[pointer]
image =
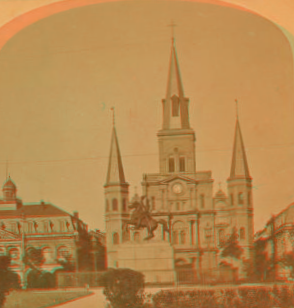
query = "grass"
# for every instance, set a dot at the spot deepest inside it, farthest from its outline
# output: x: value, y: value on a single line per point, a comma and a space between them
x: 41, y: 299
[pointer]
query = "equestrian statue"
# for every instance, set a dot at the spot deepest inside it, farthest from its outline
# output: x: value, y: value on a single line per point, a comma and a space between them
x: 141, y: 218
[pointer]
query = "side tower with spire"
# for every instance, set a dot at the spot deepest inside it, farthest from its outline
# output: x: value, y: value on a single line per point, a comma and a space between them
x: 240, y: 193
x: 116, y: 201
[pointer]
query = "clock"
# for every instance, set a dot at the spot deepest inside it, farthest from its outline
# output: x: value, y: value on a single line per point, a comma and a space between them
x: 177, y: 188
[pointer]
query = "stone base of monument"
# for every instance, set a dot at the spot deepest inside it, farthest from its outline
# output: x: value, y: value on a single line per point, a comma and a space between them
x: 155, y: 259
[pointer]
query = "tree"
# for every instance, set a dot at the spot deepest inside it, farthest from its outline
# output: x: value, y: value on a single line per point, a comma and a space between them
x: 34, y: 258
x: 37, y: 277
x: 8, y: 279
x: 231, y: 247
x: 288, y: 261
x: 263, y: 264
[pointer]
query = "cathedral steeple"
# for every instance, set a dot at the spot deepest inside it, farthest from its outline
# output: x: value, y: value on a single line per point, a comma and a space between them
x: 175, y: 105
x: 115, y: 173
x: 239, y: 167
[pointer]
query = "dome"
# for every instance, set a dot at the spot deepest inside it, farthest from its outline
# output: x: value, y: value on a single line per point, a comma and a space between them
x: 136, y: 198
x: 9, y: 184
x: 220, y: 195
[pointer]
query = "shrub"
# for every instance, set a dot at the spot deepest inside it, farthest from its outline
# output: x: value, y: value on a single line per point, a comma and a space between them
x: 37, y: 279
x: 123, y: 288
x: 8, y: 279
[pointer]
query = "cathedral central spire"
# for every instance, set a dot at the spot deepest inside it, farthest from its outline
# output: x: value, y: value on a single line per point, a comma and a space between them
x: 175, y: 105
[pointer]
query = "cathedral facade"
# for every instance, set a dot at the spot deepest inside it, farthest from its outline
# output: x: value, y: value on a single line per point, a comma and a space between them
x: 199, y: 220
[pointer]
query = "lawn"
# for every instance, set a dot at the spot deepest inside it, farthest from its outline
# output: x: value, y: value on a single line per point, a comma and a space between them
x: 41, y: 299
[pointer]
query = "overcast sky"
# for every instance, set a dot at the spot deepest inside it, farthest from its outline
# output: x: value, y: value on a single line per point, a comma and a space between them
x: 60, y: 76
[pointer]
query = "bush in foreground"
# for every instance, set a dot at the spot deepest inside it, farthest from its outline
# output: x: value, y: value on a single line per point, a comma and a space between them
x: 243, y: 297
x: 123, y: 288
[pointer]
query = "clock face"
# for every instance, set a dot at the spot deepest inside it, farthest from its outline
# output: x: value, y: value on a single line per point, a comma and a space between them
x: 177, y: 188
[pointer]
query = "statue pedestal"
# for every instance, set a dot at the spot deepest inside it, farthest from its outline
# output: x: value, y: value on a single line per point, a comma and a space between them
x: 155, y: 259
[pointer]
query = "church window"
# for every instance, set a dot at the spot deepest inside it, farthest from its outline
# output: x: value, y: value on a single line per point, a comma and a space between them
x: 124, y: 204
x: 182, y: 164
x: 178, y: 206
x: 242, y: 233
x: 171, y: 164
x: 183, y: 237
x: 240, y: 198
x: 175, y: 106
x: 114, y: 205
x: 249, y: 198
x: 232, y: 199
x: 221, y: 236
x: 115, y: 239
x: 137, y: 237
x: 107, y: 206
x: 175, y: 237
x: 202, y: 201
x: 153, y: 204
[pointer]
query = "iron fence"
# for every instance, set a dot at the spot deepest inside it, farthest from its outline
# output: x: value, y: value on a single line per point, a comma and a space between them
x: 177, y: 277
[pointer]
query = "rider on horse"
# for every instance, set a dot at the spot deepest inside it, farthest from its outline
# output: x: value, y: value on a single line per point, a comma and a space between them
x: 142, y: 211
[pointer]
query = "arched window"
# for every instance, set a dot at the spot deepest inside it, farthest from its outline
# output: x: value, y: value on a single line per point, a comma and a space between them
x: 106, y: 206
x: 202, y: 201
x: 182, y: 164
x: 179, y: 233
x: 242, y: 233
x: 221, y: 236
x: 240, y: 198
x: 175, y: 237
x: 232, y: 199
x: 124, y: 204
x: 115, y: 239
x: 63, y: 252
x: 171, y: 164
x: 137, y: 237
x: 175, y: 106
x: 114, y: 205
x: 14, y: 253
x: 178, y: 206
x: 47, y: 254
x: 183, y: 237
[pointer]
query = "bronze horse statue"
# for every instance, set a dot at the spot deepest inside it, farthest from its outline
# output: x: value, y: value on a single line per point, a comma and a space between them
x: 141, y: 218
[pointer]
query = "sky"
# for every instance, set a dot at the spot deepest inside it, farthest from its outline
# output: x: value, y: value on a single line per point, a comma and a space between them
x: 60, y: 76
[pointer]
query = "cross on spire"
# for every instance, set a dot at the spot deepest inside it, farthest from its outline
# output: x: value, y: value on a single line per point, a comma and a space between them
x: 113, y: 116
x: 173, y: 25
x: 7, y: 169
x: 237, y: 108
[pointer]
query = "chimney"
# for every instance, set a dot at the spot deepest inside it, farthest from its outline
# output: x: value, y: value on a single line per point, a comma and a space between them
x: 76, y: 215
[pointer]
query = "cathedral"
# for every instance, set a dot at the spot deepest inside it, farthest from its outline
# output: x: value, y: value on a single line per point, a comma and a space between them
x: 199, y: 220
